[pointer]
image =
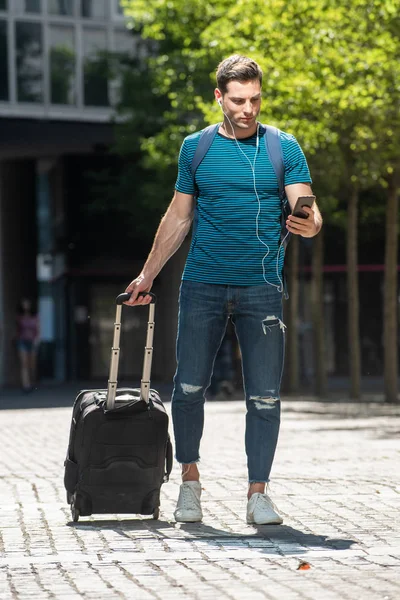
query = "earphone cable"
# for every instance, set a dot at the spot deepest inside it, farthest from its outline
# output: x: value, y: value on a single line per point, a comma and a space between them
x: 253, y: 170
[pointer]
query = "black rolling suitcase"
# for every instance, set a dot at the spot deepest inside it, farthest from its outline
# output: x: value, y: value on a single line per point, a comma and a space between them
x: 119, y: 451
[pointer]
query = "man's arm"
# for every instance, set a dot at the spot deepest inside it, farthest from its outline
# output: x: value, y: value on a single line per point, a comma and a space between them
x: 305, y: 227
x: 173, y: 229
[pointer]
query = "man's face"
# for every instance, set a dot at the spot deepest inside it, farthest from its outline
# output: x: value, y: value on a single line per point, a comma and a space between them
x: 242, y: 102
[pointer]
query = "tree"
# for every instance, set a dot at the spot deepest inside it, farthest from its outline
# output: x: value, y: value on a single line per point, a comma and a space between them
x: 135, y: 186
x: 331, y: 70
x: 391, y: 304
x: 187, y: 51
x: 292, y: 348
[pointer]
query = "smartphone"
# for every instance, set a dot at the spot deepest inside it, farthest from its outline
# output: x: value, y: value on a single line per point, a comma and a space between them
x: 302, y: 201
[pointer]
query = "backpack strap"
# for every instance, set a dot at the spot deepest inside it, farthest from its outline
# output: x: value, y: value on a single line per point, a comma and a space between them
x: 274, y: 150
x: 206, y: 139
x: 272, y: 144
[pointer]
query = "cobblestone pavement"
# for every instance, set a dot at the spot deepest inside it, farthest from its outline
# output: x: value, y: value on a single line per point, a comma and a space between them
x: 335, y: 479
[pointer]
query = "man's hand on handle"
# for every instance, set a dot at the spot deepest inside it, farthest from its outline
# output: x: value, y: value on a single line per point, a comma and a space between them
x: 140, y: 284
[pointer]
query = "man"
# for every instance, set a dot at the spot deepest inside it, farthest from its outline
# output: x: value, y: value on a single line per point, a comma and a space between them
x: 233, y: 270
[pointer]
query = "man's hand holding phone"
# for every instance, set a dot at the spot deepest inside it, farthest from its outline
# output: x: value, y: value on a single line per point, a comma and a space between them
x: 302, y: 220
x: 140, y: 284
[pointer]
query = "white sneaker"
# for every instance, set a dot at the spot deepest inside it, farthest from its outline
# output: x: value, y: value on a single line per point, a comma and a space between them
x: 188, y: 508
x: 262, y: 511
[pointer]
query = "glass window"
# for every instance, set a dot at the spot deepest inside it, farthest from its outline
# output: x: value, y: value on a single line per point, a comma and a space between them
x: 61, y: 7
x: 3, y: 4
x: 3, y: 61
x: 94, y: 9
x: 27, y: 6
x: 62, y: 64
x: 96, y: 67
x: 29, y: 58
x: 124, y: 48
x: 33, y: 6
x: 117, y: 10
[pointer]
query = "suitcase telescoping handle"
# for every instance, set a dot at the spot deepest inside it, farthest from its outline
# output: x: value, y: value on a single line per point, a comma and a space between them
x: 115, y: 350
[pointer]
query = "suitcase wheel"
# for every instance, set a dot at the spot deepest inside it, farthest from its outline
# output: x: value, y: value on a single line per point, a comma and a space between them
x: 75, y: 513
x: 156, y: 513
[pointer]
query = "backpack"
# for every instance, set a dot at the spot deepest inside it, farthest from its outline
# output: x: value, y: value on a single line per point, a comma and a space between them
x: 275, y: 154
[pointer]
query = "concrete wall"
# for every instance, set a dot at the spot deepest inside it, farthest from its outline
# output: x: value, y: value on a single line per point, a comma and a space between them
x: 17, y: 254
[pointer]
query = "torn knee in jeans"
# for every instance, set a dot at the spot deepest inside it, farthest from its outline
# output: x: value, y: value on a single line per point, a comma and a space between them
x: 272, y: 321
x: 188, y: 388
x: 264, y: 402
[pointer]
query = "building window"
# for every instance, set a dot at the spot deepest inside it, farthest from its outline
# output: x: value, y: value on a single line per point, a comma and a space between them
x: 124, y: 48
x: 29, y: 59
x: 3, y: 4
x: 117, y: 10
x: 33, y: 6
x: 27, y: 6
x: 96, y: 67
x: 124, y: 41
x: 3, y: 61
x: 61, y: 7
x: 94, y: 9
x: 62, y: 64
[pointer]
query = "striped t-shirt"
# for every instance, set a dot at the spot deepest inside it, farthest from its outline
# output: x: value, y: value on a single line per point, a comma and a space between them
x: 230, y: 245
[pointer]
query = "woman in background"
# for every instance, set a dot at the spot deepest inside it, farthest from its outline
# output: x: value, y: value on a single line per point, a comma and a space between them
x: 28, y: 337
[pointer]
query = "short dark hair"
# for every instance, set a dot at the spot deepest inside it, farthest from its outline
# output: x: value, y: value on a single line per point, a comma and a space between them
x: 237, y: 68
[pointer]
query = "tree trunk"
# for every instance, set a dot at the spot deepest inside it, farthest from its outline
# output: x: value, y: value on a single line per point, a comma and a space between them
x: 318, y: 319
x: 293, y: 330
x: 390, y: 295
x: 353, y: 326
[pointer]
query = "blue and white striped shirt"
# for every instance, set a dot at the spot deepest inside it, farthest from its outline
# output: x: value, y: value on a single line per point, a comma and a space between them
x: 225, y: 248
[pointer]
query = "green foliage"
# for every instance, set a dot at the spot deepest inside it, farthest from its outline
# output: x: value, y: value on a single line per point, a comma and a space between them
x: 331, y: 77
x: 114, y: 199
x: 62, y: 67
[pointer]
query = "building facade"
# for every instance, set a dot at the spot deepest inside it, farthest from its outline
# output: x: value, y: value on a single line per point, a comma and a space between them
x: 52, y: 58
x: 58, y: 92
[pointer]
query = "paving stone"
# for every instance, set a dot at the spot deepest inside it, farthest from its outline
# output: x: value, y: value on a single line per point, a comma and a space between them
x: 334, y: 480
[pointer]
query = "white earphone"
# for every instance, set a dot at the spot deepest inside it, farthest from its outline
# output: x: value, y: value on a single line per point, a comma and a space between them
x: 253, y: 170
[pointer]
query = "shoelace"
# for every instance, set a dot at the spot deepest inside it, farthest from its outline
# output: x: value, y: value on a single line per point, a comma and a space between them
x: 266, y: 500
x: 189, y: 498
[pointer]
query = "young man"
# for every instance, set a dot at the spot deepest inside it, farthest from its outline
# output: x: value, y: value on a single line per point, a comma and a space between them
x: 233, y: 270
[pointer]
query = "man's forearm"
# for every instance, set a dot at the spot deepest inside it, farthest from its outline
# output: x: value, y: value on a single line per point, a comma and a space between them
x: 318, y: 220
x: 169, y: 237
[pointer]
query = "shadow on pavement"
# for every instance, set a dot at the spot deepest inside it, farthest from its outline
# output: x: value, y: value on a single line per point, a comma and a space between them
x: 274, y: 539
x: 123, y: 526
x: 276, y: 534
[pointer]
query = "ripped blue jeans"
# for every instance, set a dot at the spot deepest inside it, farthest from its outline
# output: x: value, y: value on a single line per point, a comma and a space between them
x: 256, y: 312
